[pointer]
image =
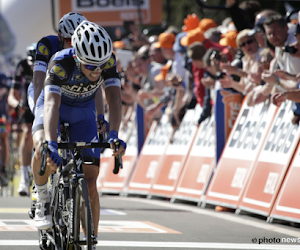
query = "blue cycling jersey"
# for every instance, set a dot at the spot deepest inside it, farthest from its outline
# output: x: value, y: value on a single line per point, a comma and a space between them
x: 46, y: 48
x: 65, y: 77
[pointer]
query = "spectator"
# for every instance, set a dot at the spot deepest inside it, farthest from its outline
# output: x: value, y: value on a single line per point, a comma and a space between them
x: 279, y: 36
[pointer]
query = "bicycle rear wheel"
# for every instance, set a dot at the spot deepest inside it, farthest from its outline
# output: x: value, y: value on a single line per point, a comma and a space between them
x: 82, y: 205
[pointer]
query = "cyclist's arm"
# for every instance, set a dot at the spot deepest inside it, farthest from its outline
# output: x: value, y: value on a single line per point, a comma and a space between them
x: 99, y: 102
x: 113, y: 96
x: 52, y: 101
x: 38, y: 83
x: 51, y: 114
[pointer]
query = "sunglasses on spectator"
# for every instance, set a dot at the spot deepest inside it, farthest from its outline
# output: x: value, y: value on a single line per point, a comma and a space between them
x: 247, y: 42
x: 68, y: 40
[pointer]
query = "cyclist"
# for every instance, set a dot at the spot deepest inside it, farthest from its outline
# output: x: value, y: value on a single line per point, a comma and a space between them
x: 73, y: 94
x: 17, y: 99
x: 5, y: 84
x: 46, y: 48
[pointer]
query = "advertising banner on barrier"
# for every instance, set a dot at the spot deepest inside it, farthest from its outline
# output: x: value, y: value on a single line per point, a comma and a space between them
x: 287, y: 204
x: 150, y: 157
x: 239, y: 155
x: 114, y: 183
x: 273, y: 162
x: 113, y: 12
x: 177, y: 151
x: 199, y: 164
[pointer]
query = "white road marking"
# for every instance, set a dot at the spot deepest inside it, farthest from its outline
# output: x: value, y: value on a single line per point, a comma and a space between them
x: 221, y: 215
x: 149, y: 244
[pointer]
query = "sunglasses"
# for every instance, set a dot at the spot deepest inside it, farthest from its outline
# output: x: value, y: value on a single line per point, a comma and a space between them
x: 93, y: 67
x: 247, y: 42
x: 68, y: 40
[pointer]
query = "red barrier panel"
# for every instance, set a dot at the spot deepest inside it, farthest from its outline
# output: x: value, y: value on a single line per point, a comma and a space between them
x: 114, y: 183
x: 272, y: 164
x: 150, y: 157
x: 175, y: 156
x: 199, y: 165
x: 287, y: 204
x: 239, y: 155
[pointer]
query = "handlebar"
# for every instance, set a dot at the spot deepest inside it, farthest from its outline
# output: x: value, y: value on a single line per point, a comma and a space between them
x: 80, y: 145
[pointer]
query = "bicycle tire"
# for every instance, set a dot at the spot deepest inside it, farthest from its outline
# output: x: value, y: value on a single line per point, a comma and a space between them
x: 81, y: 193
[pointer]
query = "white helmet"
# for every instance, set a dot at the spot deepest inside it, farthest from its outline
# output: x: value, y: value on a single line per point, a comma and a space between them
x: 68, y: 23
x: 92, y: 44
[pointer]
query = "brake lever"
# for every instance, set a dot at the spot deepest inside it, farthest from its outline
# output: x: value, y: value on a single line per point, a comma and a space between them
x: 118, y: 159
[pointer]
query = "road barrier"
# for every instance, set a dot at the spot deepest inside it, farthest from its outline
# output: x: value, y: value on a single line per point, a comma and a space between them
x: 257, y: 171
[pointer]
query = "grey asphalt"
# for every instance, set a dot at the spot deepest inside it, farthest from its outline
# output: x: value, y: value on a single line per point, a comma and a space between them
x: 182, y: 226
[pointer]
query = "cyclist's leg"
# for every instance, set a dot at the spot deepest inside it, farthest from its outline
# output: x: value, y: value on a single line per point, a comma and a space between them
x: 83, y: 128
x: 25, y: 152
x: 4, y: 153
x: 42, y: 214
x: 90, y: 174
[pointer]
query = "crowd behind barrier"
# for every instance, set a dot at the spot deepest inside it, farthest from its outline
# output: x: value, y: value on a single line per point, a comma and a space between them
x: 228, y: 93
x: 210, y: 113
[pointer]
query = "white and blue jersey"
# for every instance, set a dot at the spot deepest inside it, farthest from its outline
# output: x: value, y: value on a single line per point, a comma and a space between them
x: 77, y: 97
x: 46, y: 48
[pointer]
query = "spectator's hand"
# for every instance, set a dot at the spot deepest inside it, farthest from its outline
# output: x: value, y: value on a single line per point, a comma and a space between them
x: 256, y: 77
x: 187, y: 98
x: 174, y: 80
x: 227, y: 68
x: 143, y: 95
x: 269, y: 77
x: 295, y: 119
x: 151, y: 110
x: 284, y: 75
x: 126, y: 85
x: 278, y: 98
x: 267, y: 88
x: 207, y: 82
x: 249, y: 87
x: 226, y: 82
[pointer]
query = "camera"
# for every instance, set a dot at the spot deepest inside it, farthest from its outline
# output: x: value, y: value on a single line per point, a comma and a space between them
x: 216, y: 55
x: 289, y: 49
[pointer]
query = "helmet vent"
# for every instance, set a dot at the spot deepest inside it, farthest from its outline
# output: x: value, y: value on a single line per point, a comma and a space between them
x: 92, y: 49
x: 101, y: 33
x: 105, y: 47
x: 84, y: 49
x: 87, y: 35
x: 97, y: 39
x: 99, y: 51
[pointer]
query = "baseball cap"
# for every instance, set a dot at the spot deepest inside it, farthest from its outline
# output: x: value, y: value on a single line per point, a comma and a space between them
x: 163, y: 71
x: 229, y: 39
x: 195, y: 35
x: 190, y: 22
x: 118, y: 45
x: 206, y: 23
x: 177, y: 47
x: 165, y: 40
x: 258, y: 26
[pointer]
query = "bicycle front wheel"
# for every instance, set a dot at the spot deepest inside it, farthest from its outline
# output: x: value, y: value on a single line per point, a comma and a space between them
x: 82, y: 206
